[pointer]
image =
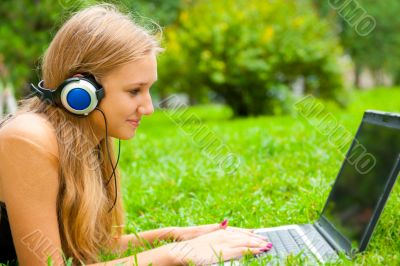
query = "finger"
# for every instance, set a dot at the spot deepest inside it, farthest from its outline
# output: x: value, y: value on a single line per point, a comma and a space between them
x: 213, y: 227
x: 236, y: 253
x: 242, y: 229
x: 208, y: 228
x: 241, y: 239
x: 218, y: 226
x: 250, y: 242
x: 246, y: 232
x: 223, y: 224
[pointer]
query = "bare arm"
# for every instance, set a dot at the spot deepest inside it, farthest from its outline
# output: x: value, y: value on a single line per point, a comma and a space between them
x: 158, y: 256
x: 143, y: 238
x: 29, y: 181
x: 219, y: 245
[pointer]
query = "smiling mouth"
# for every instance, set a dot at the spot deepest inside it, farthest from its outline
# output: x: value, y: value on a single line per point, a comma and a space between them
x: 134, y: 123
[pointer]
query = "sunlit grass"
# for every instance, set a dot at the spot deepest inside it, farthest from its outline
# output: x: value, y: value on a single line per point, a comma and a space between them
x: 284, y: 176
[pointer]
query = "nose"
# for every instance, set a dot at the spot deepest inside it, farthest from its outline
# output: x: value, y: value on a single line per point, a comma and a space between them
x: 146, y: 108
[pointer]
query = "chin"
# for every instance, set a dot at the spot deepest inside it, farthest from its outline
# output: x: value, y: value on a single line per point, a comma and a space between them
x: 126, y: 136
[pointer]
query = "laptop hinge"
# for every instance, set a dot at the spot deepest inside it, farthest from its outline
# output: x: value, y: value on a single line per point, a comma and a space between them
x: 328, y: 238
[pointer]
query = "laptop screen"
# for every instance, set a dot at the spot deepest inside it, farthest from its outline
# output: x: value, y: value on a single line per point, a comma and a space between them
x: 361, y: 183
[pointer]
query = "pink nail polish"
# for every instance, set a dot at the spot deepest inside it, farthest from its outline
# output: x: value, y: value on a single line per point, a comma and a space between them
x: 224, y: 223
x: 268, y: 247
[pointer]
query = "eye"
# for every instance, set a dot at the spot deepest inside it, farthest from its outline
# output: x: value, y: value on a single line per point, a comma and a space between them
x: 134, y: 92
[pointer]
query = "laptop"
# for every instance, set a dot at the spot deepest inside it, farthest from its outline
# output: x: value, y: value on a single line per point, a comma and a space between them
x: 356, y: 200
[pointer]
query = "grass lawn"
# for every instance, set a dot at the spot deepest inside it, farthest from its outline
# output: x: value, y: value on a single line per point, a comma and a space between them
x: 284, y: 176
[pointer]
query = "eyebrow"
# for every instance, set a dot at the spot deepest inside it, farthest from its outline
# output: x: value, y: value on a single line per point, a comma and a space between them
x: 140, y: 83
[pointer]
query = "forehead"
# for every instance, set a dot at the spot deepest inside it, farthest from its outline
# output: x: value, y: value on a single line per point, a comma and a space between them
x: 143, y: 70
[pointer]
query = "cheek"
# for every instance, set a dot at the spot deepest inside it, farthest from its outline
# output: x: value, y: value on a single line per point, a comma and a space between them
x: 111, y: 103
x: 122, y: 108
x: 128, y: 104
x: 119, y: 107
x: 107, y: 107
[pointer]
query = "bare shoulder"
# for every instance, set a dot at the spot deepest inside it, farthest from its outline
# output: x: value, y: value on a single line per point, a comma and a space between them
x: 29, y: 185
x: 28, y: 154
x: 34, y: 128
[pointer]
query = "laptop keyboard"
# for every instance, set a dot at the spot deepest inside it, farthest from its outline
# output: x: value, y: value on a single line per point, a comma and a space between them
x: 287, y: 242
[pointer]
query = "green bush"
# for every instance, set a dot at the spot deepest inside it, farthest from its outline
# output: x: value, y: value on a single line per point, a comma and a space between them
x: 250, y: 53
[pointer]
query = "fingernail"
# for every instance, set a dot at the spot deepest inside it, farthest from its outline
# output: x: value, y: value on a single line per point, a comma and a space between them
x: 268, y: 247
x: 224, y: 223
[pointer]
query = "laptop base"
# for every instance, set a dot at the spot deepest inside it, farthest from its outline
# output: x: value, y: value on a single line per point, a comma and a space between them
x: 297, y: 240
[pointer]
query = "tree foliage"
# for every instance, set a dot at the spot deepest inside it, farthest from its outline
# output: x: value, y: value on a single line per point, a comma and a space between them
x: 250, y: 53
x: 377, y: 50
x: 27, y: 27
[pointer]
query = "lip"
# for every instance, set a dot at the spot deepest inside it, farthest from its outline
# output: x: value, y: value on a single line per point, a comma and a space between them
x: 134, y: 123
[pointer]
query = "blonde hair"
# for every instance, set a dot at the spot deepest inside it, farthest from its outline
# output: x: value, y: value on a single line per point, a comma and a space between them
x: 95, y: 40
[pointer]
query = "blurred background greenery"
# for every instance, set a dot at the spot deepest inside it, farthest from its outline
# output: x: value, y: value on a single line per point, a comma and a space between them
x: 252, y: 58
x: 255, y: 56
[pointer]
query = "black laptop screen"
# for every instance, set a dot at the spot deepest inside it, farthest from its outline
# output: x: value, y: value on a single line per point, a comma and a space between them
x: 362, y: 180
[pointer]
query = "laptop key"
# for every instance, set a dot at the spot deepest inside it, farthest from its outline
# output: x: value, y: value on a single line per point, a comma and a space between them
x: 289, y: 243
x: 277, y: 245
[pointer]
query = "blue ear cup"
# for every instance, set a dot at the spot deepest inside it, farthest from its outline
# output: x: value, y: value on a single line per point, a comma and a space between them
x: 77, y: 95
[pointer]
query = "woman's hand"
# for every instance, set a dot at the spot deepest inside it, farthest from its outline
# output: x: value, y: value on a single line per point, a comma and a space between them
x: 216, y: 246
x: 187, y: 233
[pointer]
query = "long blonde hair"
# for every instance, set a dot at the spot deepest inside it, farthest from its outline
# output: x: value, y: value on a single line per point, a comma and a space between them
x: 94, y: 40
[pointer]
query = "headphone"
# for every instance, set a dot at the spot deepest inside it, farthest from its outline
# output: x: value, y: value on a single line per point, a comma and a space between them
x: 77, y: 95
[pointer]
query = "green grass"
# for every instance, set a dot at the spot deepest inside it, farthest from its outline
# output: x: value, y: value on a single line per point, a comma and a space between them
x: 285, y: 173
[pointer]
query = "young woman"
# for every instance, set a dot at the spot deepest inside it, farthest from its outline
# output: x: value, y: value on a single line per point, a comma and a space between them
x: 56, y: 166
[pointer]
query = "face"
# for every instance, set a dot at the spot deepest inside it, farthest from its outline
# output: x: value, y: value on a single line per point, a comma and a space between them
x: 127, y: 98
